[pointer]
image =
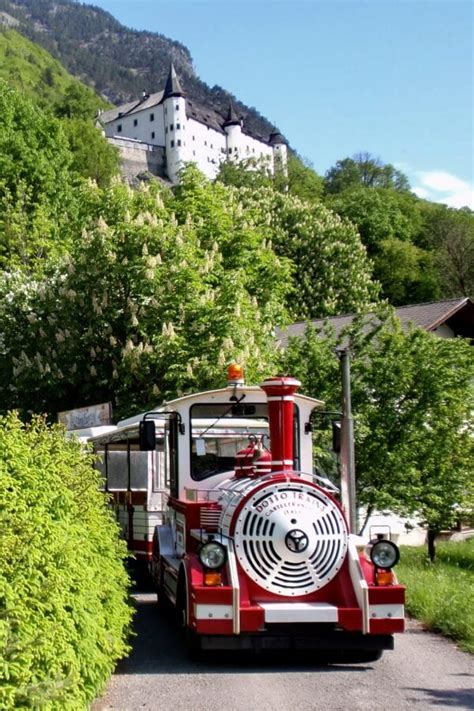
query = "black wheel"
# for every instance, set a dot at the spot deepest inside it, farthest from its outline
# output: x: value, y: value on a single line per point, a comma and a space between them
x: 191, y: 640
x: 163, y: 602
x: 192, y: 643
x: 363, y: 656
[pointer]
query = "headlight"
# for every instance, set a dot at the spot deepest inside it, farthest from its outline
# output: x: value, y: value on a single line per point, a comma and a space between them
x: 212, y: 555
x: 384, y: 554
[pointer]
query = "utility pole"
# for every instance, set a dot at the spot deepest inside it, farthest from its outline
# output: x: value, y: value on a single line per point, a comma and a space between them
x: 347, y: 456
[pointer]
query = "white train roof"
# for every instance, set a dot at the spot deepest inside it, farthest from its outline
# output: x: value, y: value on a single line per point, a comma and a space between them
x: 221, y: 395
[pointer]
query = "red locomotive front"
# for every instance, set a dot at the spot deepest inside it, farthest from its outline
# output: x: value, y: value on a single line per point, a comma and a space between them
x: 251, y: 549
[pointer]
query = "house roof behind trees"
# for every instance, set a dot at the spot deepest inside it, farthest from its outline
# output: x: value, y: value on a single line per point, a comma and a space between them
x: 457, y: 314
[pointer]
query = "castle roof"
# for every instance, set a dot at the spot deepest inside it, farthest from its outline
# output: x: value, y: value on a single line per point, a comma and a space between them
x: 276, y: 138
x: 132, y: 107
x: 232, y: 119
x: 172, y: 86
x: 194, y: 110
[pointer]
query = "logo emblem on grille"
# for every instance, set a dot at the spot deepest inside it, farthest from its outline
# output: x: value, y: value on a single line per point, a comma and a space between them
x: 296, y: 541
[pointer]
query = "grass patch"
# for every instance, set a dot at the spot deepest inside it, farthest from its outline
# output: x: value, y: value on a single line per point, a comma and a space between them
x: 441, y: 594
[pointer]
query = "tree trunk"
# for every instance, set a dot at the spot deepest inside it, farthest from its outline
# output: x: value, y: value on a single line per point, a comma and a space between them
x: 367, y: 516
x: 431, y: 544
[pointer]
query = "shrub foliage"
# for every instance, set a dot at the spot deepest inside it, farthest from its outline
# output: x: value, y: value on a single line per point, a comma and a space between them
x: 64, y: 614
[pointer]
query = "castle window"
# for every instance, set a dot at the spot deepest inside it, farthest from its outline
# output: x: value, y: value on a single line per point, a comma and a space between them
x: 177, y: 107
x: 178, y: 126
x: 153, y: 134
x: 230, y: 150
x: 212, y: 146
x: 172, y: 144
x: 205, y: 143
x: 135, y: 122
x: 152, y: 117
x: 178, y: 142
x: 171, y: 126
x: 194, y: 153
x: 194, y: 138
x: 119, y: 128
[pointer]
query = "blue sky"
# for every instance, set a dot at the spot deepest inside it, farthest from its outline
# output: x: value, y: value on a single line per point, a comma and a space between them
x: 391, y: 77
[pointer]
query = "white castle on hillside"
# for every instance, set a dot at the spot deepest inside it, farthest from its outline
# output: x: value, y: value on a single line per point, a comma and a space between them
x: 168, y: 130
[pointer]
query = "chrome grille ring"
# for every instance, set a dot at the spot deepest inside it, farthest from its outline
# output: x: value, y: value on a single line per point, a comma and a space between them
x: 290, y: 537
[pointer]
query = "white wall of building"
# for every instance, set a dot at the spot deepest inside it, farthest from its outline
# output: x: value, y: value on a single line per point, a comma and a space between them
x: 187, y: 140
x: 280, y: 158
x: 205, y: 146
x: 241, y: 147
x: 444, y: 331
x: 147, y: 126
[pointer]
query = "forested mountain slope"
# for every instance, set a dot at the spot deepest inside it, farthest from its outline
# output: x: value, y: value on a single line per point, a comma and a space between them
x: 118, y: 62
x: 32, y: 70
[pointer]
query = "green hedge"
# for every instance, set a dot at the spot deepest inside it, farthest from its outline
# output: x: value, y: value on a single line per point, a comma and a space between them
x: 64, y: 611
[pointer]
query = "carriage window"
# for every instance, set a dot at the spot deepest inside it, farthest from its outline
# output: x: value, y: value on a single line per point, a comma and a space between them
x: 126, y: 471
x: 158, y: 466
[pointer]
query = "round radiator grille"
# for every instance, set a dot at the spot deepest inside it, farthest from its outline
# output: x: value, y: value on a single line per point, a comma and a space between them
x: 290, y: 538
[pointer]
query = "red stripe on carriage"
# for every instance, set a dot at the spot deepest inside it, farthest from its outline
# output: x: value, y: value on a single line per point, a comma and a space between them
x: 211, y: 596
x: 390, y: 595
x: 214, y: 627
x: 350, y: 618
x: 252, y: 619
x: 386, y: 626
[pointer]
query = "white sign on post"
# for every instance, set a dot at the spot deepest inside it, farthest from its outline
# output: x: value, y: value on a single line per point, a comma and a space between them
x: 82, y: 417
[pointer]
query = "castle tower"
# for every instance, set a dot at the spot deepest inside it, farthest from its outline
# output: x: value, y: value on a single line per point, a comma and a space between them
x: 174, y: 109
x: 280, y: 153
x: 233, y: 129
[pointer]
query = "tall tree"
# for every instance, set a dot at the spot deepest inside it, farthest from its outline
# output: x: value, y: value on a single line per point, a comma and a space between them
x: 413, y: 403
x: 364, y: 170
x: 36, y: 181
x: 92, y: 156
x: 332, y: 273
x: 156, y: 295
x: 450, y: 233
x: 389, y: 223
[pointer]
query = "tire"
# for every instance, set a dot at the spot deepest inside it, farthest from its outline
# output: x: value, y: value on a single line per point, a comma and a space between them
x: 193, y: 644
x: 191, y: 639
x: 364, y: 656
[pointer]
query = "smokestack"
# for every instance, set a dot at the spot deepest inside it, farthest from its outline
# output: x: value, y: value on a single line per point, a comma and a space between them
x: 280, y: 395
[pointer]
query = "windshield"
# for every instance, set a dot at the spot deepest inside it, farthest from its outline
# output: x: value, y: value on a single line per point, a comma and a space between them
x: 219, y: 431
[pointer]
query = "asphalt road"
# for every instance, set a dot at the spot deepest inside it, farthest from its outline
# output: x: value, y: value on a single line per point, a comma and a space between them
x: 424, y: 671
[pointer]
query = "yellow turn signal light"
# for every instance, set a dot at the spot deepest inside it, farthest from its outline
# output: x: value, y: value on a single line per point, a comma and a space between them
x: 384, y: 577
x: 211, y: 577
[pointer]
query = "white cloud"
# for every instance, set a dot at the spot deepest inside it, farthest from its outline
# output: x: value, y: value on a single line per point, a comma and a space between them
x: 440, y: 186
x: 421, y: 192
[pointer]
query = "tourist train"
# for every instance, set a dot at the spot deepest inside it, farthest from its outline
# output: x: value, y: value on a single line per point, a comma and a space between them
x: 215, y: 492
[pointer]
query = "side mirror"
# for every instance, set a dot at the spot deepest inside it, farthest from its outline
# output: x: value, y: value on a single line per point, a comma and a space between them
x: 147, y: 435
x: 336, y: 436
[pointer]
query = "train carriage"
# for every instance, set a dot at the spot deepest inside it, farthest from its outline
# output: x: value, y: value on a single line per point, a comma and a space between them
x: 216, y: 492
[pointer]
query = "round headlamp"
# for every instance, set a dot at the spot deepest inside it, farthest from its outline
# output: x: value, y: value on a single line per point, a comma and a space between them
x: 212, y: 555
x: 384, y: 554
